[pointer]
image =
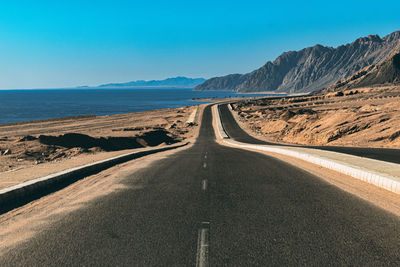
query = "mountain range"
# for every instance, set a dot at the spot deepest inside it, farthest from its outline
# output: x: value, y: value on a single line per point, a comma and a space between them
x: 309, y: 69
x: 170, y: 82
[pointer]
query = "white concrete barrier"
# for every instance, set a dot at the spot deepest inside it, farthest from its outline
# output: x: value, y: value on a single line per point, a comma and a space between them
x: 218, y: 123
x: 192, y: 117
x: 18, y: 195
x: 383, y: 180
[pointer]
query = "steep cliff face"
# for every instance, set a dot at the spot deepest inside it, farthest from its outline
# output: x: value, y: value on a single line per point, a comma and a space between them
x: 312, y: 68
x: 386, y: 72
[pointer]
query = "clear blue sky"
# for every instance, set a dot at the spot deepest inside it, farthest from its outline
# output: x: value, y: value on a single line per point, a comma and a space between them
x: 49, y: 44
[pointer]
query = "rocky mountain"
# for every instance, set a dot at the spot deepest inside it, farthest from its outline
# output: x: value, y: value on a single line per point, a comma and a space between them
x: 309, y: 69
x: 170, y: 82
x: 386, y: 72
x: 226, y: 83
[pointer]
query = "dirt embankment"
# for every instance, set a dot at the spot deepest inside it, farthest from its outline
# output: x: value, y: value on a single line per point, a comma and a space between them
x: 37, y: 148
x: 367, y: 117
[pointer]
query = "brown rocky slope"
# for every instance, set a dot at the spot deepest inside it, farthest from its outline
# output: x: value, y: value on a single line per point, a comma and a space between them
x: 365, y: 117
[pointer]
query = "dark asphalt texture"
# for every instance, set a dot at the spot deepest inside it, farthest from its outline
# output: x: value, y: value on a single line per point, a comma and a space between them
x: 262, y: 212
x: 235, y: 132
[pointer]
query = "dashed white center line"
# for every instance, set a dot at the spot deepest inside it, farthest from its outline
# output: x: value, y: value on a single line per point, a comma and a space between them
x: 202, y: 245
x: 203, y: 235
x: 204, y: 185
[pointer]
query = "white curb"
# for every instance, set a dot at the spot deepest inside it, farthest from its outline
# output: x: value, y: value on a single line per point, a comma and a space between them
x: 220, y: 129
x: 18, y: 195
x: 382, y: 180
x: 192, y: 117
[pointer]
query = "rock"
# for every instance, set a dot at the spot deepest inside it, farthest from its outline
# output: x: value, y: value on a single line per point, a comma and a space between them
x: 27, y: 138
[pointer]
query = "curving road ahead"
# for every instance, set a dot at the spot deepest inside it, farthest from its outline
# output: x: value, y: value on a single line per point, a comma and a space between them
x: 237, y: 133
x: 257, y: 210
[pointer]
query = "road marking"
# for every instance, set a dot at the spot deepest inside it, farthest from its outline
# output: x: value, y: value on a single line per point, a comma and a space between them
x: 202, y: 245
x: 205, y: 165
x: 204, y: 185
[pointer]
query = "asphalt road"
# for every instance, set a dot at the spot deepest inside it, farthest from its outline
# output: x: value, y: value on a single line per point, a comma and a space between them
x: 237, y: 133
x: 261, y: 212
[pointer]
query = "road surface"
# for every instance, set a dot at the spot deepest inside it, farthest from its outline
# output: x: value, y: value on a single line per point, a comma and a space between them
x: 254, y: 210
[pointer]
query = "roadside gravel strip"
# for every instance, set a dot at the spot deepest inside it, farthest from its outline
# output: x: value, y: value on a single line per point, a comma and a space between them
x: 385, y: 175
x: 18, y: 195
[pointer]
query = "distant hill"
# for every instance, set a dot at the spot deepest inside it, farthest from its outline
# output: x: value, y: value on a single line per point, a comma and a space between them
x: 309, y: 69
x: 170, y: 82
x: 386, y: 72
x: 226, y: 83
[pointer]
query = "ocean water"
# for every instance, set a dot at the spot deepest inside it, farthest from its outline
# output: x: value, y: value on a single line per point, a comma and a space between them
x: 28, y: 105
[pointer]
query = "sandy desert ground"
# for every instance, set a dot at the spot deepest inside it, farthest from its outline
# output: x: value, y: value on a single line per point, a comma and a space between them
x: 364, y: 117
x: 33, y: 149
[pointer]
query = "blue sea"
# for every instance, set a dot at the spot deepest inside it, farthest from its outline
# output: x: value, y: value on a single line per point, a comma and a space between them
x: 28, y: 105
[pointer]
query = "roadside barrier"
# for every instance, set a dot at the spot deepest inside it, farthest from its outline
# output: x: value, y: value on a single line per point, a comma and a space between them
x: 21, y: 194
x: 220, y: 128
x: 381, y: 180
x: 192, y: 117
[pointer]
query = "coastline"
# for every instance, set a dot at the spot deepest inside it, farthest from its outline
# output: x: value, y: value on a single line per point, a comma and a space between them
x: 33, y: 105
